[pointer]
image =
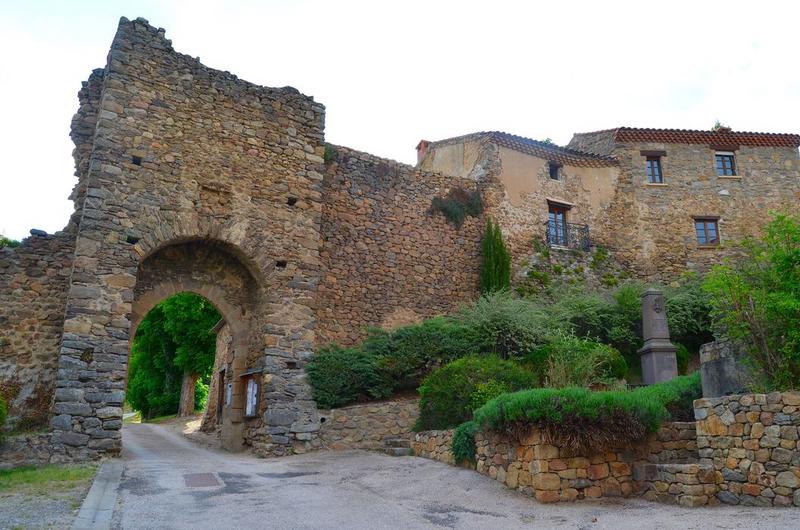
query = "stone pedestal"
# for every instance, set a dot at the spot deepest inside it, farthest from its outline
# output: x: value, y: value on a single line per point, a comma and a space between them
x: 658, y: 359
x: 722, y: 371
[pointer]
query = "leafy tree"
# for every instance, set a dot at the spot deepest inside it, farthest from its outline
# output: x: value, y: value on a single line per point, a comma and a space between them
x: 6, y: 242
x: 756, y: 300
x: 172, y: 355
x: 496, y: 262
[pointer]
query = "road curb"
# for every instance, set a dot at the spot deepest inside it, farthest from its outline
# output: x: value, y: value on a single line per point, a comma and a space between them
x: 98, y: 506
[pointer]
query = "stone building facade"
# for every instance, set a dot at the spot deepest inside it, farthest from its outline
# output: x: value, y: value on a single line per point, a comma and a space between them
x: 191, y: 179
x: 599, y: 185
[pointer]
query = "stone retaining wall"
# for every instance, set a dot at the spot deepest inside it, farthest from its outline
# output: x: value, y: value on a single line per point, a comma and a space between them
x: 435, y: 445
x: 552, y: 474
x: 369, y: 425
x: 753, y: 442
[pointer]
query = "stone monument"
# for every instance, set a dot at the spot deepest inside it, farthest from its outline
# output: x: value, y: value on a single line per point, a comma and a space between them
x: 659, y: 362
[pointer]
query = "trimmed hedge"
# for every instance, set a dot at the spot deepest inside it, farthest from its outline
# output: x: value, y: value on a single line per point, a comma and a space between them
x: 584, y: 420
x: 450, y: 394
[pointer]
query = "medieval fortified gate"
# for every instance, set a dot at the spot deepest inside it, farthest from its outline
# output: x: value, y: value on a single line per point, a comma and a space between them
x: 190, y: 179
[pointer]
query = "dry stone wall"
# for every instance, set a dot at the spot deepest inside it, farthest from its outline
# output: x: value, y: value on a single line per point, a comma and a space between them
x: 553, y: 474
x: 368, y: 425
x: 34, y: 279
x: 753, y: 442
x: 387, y: 259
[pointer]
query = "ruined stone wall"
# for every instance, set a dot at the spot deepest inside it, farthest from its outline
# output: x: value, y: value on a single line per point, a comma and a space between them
x: 34, y: 279
x: 652, y: 226
x: 387, y: 259
x: 185, y: 153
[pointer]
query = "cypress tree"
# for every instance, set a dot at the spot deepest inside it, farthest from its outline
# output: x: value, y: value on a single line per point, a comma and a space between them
x: 496, y: 262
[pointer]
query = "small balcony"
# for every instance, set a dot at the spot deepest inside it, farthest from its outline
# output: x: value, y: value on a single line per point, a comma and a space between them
x: 567, y: 235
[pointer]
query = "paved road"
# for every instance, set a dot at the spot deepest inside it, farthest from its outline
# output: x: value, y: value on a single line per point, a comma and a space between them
x: 357, y: 490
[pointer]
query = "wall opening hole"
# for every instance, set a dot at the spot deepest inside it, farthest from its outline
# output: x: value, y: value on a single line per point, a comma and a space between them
x: 291, y: 365
x: 132, y: 240
x: 281, y: 264
x: 137, y: 160
x: 291, y: 201
x: 87, y: 355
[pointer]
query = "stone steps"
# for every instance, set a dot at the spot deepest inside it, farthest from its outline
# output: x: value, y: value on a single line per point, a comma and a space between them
x: 397, y: 446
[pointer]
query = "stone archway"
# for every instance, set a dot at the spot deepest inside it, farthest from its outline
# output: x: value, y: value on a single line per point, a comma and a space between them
x: 209, y: 269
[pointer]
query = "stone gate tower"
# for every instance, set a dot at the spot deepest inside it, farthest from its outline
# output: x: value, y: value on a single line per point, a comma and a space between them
x: 190, y: 179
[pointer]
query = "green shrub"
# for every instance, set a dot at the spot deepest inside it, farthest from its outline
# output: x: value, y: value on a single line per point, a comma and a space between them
x: 463, y: 445
x: 507, y: 326
x: 583, y: 420
x: 447, y: 395
x: 339, y: 376
x: 756, y: 300
x: 495, y: 260
x: 571, y: 361
x: 407, y: 354
x: 457, y: 205
x: 682, y: 356
x: 330, y: 154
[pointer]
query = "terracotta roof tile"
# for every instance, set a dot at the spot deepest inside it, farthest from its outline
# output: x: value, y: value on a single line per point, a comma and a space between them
x: 724, y: 137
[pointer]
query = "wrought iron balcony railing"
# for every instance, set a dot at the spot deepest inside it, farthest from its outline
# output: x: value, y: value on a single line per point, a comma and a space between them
x: 569, y: 235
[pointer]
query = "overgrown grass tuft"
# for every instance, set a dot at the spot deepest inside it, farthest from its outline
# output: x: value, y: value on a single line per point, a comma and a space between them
x: 582, y: 420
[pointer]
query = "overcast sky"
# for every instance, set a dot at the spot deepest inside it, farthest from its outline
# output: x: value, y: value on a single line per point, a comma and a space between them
x: 391, y: 73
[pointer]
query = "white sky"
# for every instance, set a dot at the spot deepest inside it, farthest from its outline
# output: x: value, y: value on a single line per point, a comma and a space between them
x: 391, y: 73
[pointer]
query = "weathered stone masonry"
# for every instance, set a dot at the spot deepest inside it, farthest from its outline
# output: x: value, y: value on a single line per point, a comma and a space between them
x: 190, y: 179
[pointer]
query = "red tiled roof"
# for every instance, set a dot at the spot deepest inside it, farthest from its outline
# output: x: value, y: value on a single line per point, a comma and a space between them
x: 723, y: 137
x: 546, y: 150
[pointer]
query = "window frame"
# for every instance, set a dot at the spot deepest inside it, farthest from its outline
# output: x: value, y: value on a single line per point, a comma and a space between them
x: 651, y: 177
x: 706, y: 221
x: 722, y: 156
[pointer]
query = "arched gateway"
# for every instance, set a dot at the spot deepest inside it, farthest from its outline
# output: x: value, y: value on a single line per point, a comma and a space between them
x: 222, y: 202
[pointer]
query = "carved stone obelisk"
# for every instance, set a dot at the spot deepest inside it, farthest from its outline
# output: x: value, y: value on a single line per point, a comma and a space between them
x: 659, y: 362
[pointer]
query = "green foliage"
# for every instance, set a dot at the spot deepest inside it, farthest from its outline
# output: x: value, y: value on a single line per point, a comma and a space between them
x: 495, y: 260
x: 342, y: 375
x: 330, y: 154
x: 567, y: 360
x: 463, y: 447
x: 458, y: 204
x: 599, y: 257
x: 44, y: 480
x: 756, y: 300
x: 388, y: 361
x: 6, y: 242
x: 449, y: 393
x: 173, y: 338
x: 682, y: 356
x: 3, y: 416
x: 689, y: 313
x: 507, y: 326
x: 407, y: 354
x: 581, y: 419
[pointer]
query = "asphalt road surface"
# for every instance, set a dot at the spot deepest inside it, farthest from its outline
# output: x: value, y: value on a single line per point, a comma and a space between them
x: 171, y: 482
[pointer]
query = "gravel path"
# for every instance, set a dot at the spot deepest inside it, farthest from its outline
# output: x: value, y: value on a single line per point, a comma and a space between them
x: 170, y: 482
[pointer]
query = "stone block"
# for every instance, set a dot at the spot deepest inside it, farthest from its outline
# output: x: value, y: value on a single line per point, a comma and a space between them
x: 546, y: 481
